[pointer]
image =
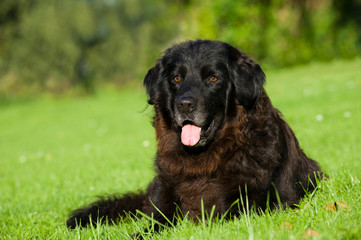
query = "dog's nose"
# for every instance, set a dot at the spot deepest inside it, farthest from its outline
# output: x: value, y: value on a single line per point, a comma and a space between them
x: 186, y: 104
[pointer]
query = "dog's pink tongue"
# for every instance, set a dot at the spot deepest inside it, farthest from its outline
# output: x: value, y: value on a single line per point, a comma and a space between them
x: 190, y: 135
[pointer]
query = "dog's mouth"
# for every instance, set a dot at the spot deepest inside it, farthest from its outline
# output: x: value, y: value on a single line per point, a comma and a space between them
x: 193, y: 135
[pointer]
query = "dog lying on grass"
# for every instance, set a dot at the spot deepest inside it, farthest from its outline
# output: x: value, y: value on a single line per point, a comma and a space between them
x: 218, y: 138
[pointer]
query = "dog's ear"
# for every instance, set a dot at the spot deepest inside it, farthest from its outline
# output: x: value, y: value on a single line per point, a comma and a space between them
x: 247, y: 78
x: 150, y: 82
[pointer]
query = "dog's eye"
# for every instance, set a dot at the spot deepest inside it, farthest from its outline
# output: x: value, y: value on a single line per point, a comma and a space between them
x: 213, y: 78
x: 177, y: 79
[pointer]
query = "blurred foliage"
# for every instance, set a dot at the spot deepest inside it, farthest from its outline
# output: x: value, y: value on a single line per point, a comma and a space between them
x: 58, y: 45
x: 282, y: 32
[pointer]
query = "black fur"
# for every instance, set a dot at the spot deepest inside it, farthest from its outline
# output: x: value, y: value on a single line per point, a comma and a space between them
x: 244, y: 146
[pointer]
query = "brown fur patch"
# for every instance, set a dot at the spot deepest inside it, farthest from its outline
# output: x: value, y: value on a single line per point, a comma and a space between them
x: 176, y: 161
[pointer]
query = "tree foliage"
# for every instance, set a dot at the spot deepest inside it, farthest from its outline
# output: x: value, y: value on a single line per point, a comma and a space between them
x: 57, y: 45
x: 280, y: 32
x: 61, y: 44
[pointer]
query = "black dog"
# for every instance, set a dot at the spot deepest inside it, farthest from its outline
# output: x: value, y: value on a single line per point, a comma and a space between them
x: 219, y: 139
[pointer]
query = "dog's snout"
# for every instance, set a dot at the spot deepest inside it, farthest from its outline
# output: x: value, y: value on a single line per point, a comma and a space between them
x: 186, y: 104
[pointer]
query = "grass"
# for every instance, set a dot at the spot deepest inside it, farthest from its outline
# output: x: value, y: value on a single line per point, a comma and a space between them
x: 56, y: 155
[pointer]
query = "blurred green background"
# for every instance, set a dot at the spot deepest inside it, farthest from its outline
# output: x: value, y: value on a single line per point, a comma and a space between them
x: 76, y: 46
x: 68, y: 132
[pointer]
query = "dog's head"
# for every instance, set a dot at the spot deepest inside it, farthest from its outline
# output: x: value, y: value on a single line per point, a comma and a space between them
x: 194, y: 84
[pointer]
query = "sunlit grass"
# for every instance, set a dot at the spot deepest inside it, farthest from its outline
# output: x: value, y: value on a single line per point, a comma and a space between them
x: 56, y: 155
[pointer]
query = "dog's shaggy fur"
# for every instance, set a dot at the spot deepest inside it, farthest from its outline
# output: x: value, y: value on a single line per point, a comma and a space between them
x: 219, y: 139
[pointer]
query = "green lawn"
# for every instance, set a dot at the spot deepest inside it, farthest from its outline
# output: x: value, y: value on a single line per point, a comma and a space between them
x: 56, y: 155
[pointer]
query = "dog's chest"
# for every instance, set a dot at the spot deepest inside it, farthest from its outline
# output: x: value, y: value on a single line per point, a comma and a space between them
x: 197, y: 194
